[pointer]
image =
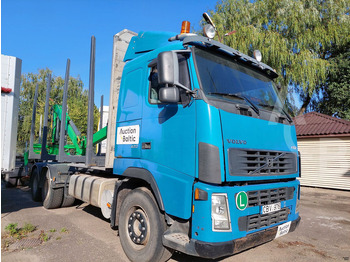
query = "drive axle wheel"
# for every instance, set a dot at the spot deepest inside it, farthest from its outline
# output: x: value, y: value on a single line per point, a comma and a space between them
x: 35, y: 189
x: 141, y: 227
x: 52, y: 197
x: 137, y: 227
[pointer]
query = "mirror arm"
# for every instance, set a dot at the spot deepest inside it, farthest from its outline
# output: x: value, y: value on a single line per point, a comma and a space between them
x: 192, y: 92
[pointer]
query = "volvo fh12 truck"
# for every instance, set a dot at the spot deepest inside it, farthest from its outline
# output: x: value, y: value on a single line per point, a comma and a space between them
x: 201, y: 156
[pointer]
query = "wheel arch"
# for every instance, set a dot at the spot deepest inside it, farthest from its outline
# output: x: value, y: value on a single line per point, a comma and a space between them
x: 134, y: 178
x: 142, y: 176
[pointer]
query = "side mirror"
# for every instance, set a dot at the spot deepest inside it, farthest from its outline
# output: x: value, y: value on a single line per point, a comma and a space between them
x: 168, y: 68
x: 169, y: 95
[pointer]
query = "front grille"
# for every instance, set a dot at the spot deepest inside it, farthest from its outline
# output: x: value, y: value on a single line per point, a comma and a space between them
x: 257, y: 221
x: 251, y: 162
x: 269, y: 196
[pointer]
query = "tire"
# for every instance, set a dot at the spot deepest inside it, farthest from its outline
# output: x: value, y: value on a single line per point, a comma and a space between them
x: 52, y: 197
x: 67, y: 199
x: 35, y: 182
x: 141, y: 227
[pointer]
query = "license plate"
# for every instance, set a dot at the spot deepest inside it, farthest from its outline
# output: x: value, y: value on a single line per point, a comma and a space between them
x: 283, y: 229
x: 270, y: 208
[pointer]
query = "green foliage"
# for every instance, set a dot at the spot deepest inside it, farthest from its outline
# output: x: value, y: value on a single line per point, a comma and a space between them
x: 77, y: 103
x: 43, y: 236
x: 64, y: 230
x: 294, y: 36
x: 12, y: 229
x: 28, y: 228
x: 334, y: 98
x: 53, y: 230
x: 19, y: 233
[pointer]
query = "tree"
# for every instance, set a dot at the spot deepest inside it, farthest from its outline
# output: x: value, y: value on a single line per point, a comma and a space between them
x: 77, y: 103
x: 294, y: 36
x: 334, y: 97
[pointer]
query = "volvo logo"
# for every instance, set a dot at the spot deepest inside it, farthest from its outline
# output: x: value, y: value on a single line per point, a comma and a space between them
x: 236, y: 141
x: 269, y: 162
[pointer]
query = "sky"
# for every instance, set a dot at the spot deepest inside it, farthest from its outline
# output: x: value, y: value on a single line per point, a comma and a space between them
x: 45, y: 33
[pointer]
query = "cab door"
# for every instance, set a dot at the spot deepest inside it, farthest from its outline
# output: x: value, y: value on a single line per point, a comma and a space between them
x: 168, y: 130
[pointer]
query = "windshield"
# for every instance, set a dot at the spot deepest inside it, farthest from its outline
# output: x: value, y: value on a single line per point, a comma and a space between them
x: 223, y: 78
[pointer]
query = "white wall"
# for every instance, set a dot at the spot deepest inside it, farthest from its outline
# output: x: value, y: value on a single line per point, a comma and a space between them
x: 325, y: 162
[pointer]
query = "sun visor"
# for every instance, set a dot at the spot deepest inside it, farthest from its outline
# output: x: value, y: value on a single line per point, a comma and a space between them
x: 145, y: 42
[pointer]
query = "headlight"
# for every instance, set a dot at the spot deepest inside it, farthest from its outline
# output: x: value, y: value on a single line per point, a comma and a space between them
x: 209, y: 31
x: 220, y: 214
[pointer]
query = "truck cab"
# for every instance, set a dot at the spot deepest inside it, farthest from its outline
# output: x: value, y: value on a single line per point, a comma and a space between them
x: 201, y: 156
x: 204, y: 126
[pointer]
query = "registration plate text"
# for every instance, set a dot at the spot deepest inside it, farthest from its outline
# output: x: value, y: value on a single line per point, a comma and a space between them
x: 270, y: 208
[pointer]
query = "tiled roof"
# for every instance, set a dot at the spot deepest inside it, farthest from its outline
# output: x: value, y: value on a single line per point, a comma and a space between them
x: 317, y: 125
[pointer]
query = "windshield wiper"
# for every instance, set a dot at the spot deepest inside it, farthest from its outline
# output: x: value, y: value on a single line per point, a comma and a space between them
x: 290, y: 120
x: 252, y: 105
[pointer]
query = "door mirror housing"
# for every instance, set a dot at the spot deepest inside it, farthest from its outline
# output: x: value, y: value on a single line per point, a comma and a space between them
x: 169, y: 75
x: 169, y: 95
x: 168, y: 68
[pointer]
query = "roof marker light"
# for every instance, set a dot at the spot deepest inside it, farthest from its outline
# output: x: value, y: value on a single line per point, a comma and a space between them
x: 185, y: 32
x: 257, y: 55
x: 185, y: 28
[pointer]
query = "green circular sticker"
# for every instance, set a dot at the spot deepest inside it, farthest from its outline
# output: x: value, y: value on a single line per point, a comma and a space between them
x: 241, y: 200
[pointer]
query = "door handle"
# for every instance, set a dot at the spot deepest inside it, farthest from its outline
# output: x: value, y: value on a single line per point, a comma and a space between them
x: 146, y: 145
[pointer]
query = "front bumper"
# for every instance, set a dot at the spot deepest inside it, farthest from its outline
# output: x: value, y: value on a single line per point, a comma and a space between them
x: 216, y: 250
x: 220, y: 249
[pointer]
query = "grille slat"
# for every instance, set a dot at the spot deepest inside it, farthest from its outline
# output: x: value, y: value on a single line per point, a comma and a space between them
x: 251, y: 162
x: 258, y: 221
x: 270, y: 196
x: 266, y: 197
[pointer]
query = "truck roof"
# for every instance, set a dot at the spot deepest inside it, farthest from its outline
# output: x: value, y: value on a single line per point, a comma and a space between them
x: 145, y: 42
x: 148, y: 41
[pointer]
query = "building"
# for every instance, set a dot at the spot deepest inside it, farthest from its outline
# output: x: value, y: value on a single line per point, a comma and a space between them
x: 324, y: 144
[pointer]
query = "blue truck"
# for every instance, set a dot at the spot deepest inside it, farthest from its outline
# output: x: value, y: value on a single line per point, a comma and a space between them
x: 205, y: 157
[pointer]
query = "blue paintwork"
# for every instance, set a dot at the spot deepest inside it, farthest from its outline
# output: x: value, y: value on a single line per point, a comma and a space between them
x: 201, y: 218
x: 131, y: 91
x: 169, y: 128
x: 209, y: 130
x: 259, y: 134
x: 174, y: 187
x: 145, y: 42
x: 174, y: 133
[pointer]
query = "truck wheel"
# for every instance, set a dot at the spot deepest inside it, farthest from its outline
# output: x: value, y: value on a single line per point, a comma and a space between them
x: 141, y: 227
x: 67, y: 199
x: 52, y: 197
x: 35, y: 189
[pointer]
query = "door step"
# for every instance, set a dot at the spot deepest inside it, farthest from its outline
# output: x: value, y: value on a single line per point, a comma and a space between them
x: 177, y: 238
